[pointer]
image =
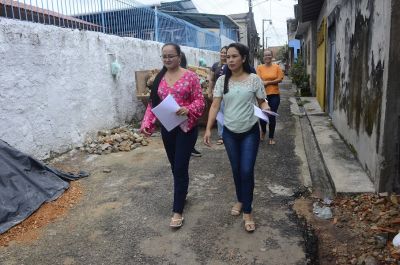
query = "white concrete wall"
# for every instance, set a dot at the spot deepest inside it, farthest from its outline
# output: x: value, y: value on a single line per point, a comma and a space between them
x: 364, y: 144
x: 56, y: 86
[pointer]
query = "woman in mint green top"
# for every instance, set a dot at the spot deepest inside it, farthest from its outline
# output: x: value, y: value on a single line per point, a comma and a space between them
x: 239, y: 116
x: 239, y: 89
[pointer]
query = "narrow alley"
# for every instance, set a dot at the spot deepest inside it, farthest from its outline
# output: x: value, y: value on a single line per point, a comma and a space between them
x: 124, y: 215
x: 76, y: 78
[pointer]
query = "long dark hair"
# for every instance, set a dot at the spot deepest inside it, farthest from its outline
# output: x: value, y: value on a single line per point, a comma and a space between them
x: 244, y: 53
x: 155, y: 99
x: 223, y: 47
x: 183, y: 60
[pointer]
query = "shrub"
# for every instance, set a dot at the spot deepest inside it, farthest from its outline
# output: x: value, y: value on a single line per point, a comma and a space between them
x: 300, y: 77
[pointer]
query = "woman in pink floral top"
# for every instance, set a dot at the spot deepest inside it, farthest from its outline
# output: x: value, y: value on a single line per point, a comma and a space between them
x: 184, y: 86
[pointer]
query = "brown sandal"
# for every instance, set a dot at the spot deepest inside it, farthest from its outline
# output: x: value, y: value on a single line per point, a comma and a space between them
x: 249, y: 225
x: 236, y: 209
x: 220, y: 141
x: 176, y: 222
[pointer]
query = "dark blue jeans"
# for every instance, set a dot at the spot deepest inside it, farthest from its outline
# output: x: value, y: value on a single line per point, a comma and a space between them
x: 179, y: 146
x: 242, y: 151
x: 273, y: 102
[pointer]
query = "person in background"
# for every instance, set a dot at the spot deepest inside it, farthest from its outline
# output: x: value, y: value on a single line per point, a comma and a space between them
x: 184, y: 86
x: 240, y: 89
x: 183, y: 64
x: 217, y: 70
x: 271, y: 75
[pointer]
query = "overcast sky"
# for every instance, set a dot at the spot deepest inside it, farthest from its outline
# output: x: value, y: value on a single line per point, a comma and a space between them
x: 276, y: 10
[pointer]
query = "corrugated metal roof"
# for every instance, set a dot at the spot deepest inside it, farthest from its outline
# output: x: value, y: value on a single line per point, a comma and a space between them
x: 309, y: 9
x: 204, y: 20
x: 239, y: 16
x: 183, y: 6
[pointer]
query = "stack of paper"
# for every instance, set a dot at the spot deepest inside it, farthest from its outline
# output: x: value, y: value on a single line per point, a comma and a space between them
x: 166, y: 113
x: 263, y: 114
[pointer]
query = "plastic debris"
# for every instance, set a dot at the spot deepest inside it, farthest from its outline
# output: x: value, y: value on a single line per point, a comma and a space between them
x: 115, y: 68
x: 322, y: 212
x: 327, y: 201
x: 396, y: 241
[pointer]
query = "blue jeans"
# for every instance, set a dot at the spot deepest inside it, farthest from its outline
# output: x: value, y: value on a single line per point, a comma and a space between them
x: 273, y: 102
x: 179, y: 146
x: 242, y: 151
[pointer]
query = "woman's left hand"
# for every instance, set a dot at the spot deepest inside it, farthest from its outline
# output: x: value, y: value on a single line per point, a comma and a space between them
x: 207, y: 138
x: 267, y: 108
x: 182, y: 111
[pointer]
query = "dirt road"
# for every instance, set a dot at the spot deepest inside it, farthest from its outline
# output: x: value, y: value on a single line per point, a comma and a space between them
x: 123, y: 216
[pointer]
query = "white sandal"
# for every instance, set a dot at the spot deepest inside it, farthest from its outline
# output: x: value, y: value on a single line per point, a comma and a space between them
x: 176, y: 222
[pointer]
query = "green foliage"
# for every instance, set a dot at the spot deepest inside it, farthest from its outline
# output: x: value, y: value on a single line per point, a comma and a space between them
x: 299, y: 77
x: 283, y: 54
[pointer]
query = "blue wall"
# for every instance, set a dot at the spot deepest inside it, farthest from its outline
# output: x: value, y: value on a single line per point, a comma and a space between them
x: 295, y: 44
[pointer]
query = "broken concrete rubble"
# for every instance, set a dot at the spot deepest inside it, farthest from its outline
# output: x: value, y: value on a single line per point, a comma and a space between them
x: 124, y: 138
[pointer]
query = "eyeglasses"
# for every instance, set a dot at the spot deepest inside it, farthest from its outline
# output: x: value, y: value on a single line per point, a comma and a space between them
x: 169, y: 56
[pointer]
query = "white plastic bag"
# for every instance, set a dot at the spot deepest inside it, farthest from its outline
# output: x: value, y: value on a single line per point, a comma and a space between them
x: 396, y: 241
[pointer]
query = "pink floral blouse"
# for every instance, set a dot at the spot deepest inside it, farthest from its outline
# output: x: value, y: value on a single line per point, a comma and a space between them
x: 187, y: 93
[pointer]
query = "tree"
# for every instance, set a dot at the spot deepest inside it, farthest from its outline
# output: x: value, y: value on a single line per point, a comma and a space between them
x: 283, y: 54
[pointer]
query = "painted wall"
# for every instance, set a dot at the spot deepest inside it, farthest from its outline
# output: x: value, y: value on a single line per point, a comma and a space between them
x: 309, y: 53
x: 242, y: 31
x: 361, y: 70
x: 295, y: 44
x: 56, y: 86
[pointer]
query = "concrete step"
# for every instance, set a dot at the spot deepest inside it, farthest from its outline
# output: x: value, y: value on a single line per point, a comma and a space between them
x: 285, y: 84
x: 344, y: 169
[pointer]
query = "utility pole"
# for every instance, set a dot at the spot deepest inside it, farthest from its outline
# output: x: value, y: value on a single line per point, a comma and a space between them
x: 263, y: 32
x: 266, y: 42
x: 250, y: 33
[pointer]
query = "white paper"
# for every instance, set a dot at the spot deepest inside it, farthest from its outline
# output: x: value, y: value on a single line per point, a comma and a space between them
x: 220, y: 117
x: 166, y: 113
x: 270, y: 112
x: 260, y: 114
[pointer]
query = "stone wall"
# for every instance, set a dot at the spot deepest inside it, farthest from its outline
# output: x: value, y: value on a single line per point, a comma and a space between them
x: 56, y: 86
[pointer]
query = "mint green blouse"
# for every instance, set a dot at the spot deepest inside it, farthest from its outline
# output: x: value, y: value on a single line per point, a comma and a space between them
x: 238, y: 102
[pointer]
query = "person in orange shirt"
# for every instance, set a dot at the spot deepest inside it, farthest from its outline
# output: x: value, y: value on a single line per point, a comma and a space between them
x: 271, y: 75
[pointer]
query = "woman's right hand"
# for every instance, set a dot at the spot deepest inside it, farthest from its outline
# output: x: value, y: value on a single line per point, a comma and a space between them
x: 146, y: 132
x: 207, y: 138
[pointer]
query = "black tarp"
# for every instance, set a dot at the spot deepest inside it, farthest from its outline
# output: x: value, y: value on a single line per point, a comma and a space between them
x: 25, y: 184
